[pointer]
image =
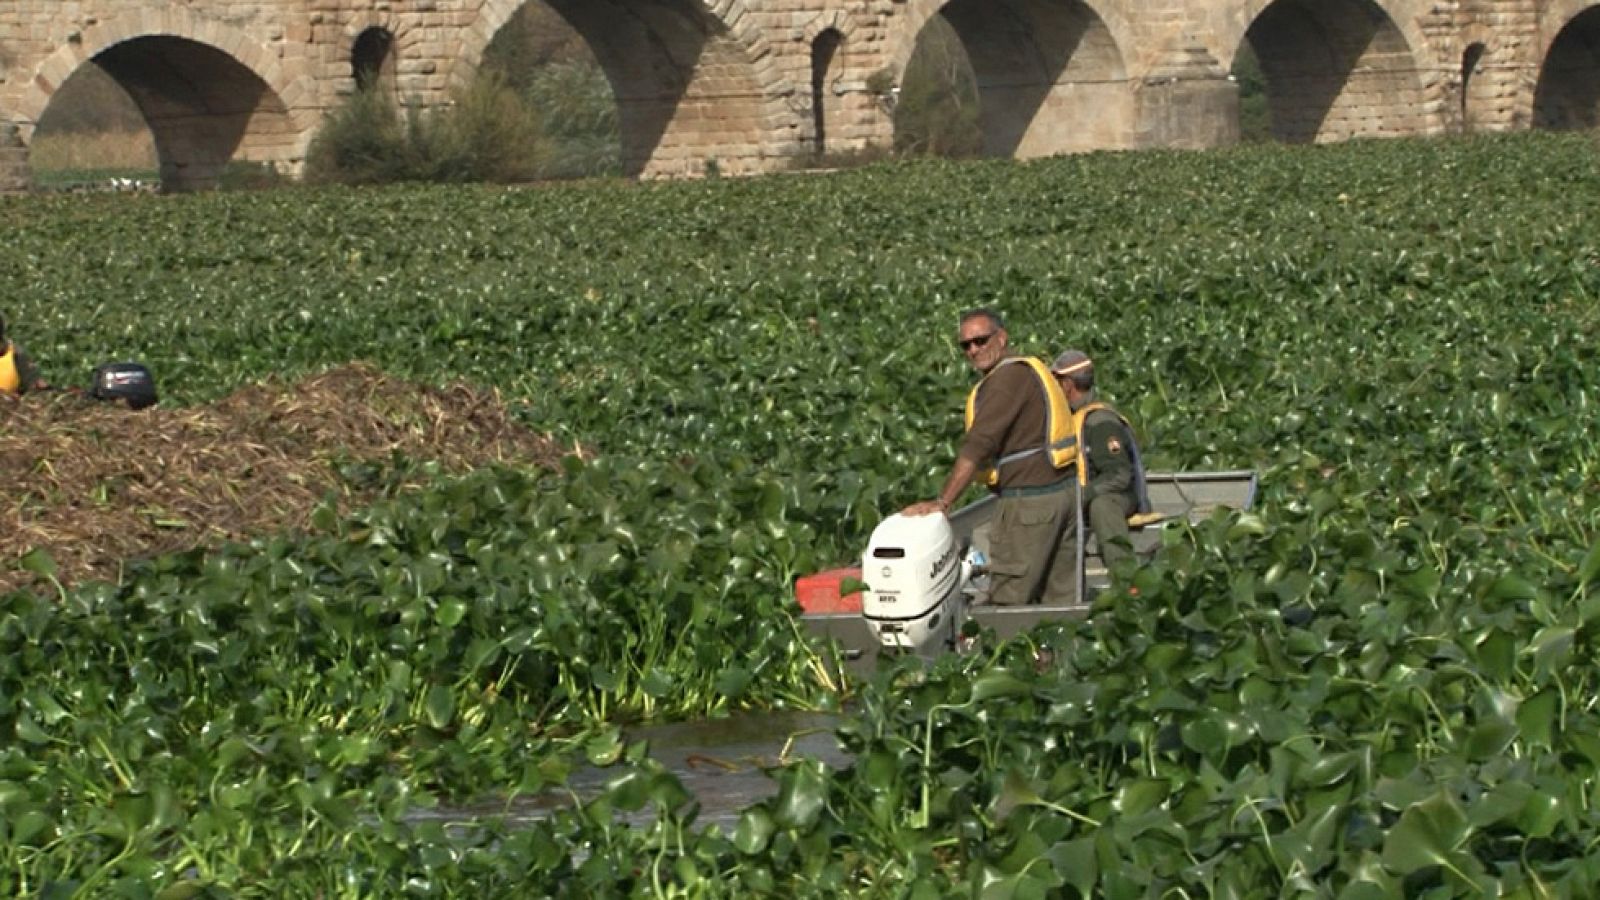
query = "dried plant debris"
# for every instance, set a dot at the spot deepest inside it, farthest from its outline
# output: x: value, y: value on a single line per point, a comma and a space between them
x: 95, y: 484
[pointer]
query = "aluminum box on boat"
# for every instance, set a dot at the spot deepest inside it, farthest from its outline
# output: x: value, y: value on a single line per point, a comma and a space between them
x: 1176, y: 496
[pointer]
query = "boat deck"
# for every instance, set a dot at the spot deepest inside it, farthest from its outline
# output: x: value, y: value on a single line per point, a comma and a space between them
x: 1178, y: 496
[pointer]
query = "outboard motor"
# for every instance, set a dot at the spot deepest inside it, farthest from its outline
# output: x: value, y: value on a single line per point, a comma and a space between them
x: 130, y: 382
x: 915, y: 576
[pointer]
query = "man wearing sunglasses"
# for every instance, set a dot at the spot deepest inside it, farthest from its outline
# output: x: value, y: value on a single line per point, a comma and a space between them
x: 1020, y: 443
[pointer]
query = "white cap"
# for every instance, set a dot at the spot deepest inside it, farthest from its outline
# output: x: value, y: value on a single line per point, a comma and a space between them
x: 1071, y: 362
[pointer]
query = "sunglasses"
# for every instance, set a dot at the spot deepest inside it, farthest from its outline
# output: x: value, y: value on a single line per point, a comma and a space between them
x: 979, y: 341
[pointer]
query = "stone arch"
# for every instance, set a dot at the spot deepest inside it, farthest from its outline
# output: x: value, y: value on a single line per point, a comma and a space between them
x: 1488, y: 71
x: 827, y: 64
x: 1229, y: 31
x: 364, y: 33
x: 837, y: 20
x: 1566, y: 90
x: 1473, y: 85
x: 1052, y: 74
x: 850, y: 108
x: 696, y: 83
x: 909, y: 24
x: 238, y: 101
x: 1554, y: 18
x: 1338, y: 69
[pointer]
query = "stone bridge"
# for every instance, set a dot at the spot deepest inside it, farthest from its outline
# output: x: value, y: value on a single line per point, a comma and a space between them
x: 760, y: 85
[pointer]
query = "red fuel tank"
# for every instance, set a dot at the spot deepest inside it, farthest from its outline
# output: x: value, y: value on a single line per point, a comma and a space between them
x: 820, y: 593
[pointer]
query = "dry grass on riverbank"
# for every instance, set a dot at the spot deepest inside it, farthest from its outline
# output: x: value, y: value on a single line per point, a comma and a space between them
x: 78, y: 151
x: 95, y: 484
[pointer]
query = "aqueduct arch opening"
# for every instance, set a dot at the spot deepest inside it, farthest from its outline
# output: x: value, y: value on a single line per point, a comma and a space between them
x: 1050, y: 75
x: 1050, y: 78
x: 689, y: 98
x: 205, y: 106
x: 1472, y: 87
x: 92, y: 130
x: 1568, y: 93
x: 826, y: 66
x: 1335, y: 70
x: 373, y: 60
x: 205, y: 109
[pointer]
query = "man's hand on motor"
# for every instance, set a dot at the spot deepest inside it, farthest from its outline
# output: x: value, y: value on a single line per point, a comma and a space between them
x: 925, y: 508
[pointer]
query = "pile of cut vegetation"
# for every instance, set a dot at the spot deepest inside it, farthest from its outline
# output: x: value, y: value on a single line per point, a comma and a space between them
x: 94, y: 484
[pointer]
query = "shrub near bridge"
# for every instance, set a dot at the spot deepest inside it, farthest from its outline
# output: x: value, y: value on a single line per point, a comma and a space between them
x: 1377, y: 684
x: 486, y: 134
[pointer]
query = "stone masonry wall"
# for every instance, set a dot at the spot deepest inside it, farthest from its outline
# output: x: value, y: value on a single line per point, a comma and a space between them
x: 729, y: 84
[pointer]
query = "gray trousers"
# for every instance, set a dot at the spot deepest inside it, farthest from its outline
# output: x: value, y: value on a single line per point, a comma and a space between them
x: 1108, y: 520
x: 1032, y: 549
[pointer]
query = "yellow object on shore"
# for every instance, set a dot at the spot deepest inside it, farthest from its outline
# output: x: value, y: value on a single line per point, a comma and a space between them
x: 10, y: 377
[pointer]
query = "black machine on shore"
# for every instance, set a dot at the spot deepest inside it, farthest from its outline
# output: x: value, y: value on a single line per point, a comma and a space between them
x: 127, y: 382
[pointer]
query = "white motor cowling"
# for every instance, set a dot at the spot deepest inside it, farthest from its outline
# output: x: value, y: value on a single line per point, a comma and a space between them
x: 915, y: 576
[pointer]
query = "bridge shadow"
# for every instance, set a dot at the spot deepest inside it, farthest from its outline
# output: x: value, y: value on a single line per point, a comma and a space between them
x: 203, y: 107
x: 1050, y: 78
x: 1335, y: 69
x: 684, y: 89
x: 1567, y: 97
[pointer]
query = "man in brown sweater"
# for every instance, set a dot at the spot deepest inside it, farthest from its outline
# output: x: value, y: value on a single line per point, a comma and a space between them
x: 1014, y: 414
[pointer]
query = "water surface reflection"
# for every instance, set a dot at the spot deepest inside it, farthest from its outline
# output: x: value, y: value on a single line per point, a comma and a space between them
x: 721, y: 762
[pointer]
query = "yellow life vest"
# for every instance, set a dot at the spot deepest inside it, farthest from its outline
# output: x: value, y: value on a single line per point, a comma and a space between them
x: 1080, y: 418
x: 1142, y: 514
x: 1060, y: 438
x: 10, y: 378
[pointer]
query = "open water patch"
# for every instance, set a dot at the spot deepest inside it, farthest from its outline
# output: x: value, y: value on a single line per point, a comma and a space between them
x: 722, y: 763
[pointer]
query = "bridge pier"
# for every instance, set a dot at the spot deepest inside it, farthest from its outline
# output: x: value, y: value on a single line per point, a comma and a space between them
x: 14, y: 174
x: 1187, y: 102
